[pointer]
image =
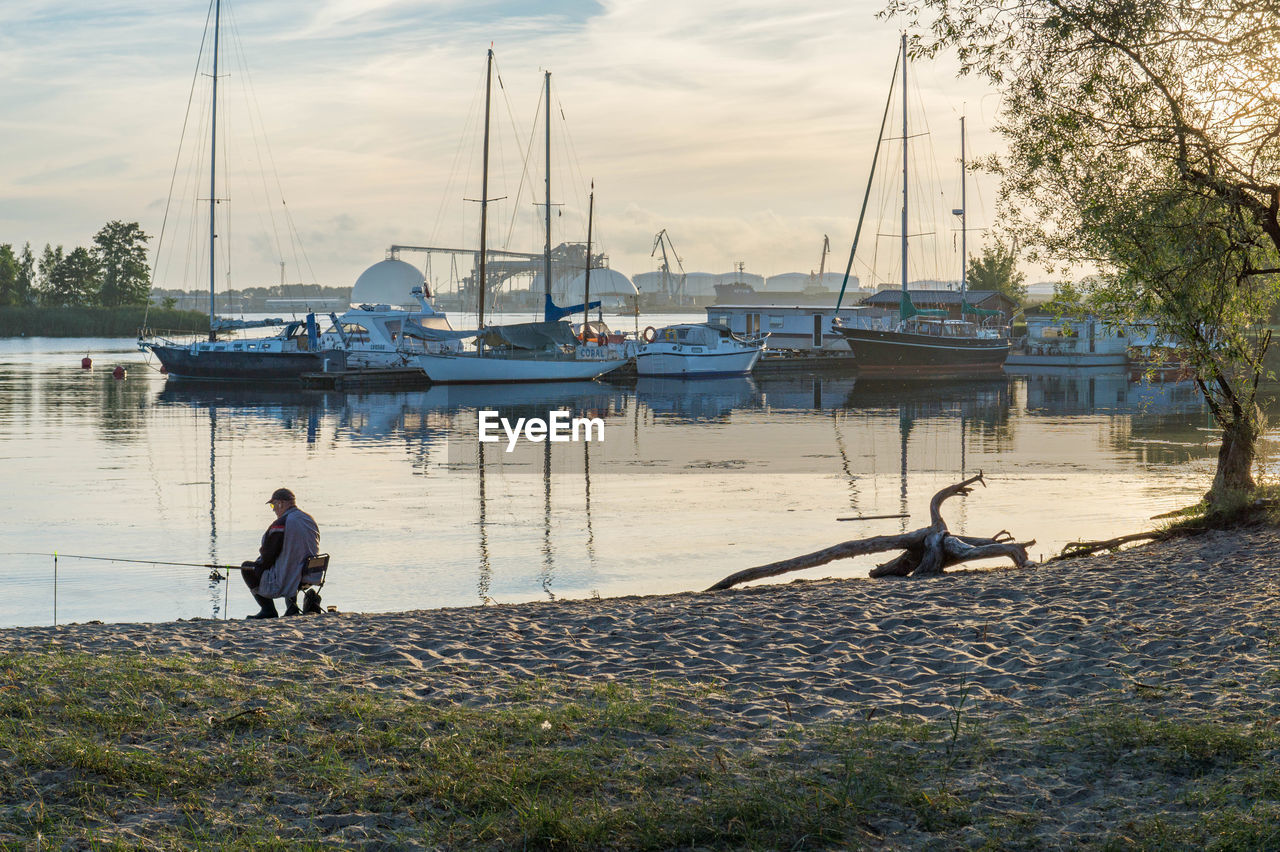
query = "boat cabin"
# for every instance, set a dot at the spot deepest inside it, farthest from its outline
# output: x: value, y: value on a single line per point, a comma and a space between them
x: 797, y: 327
x: 381, y: 328
x: 694, y: 334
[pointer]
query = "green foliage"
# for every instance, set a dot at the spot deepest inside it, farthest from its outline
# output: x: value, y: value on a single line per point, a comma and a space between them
x: 113, y: 273
x: 25, y: 285
x: 71, y: 279
x: 8, y: 275
x: 1141, y: 143
x: 121, y: 252
x: 997, y: 269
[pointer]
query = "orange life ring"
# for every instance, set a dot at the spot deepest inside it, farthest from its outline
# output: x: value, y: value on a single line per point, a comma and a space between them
x: 650, y: 334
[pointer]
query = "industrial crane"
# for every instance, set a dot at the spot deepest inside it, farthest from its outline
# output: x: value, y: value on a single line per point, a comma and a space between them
x: 663, y: 241
x: 816, y: 284
x: 822, y: 261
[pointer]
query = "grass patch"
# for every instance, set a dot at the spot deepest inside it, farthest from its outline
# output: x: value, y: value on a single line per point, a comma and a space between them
x: 120, y: 750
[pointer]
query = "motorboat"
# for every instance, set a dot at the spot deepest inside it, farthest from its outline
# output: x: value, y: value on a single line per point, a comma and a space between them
x: 697, y: 349
x: 382, y: 337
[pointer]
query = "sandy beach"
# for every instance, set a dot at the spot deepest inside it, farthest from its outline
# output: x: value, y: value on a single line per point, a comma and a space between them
x: 1190, y: 620
x: 1096, y: 703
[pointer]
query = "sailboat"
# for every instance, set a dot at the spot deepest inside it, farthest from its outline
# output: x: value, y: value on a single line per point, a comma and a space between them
x: 296, y: 349
x: 544, y: 351
x: 925, y: 341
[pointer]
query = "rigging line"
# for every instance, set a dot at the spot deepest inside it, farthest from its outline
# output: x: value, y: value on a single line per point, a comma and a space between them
x: 528, y: 154
x: 515, y: 134
x: 177, y: 160
x: 573, y: 164
x: 256, y: 132
x: 858, y: 232
x: 476, y: 95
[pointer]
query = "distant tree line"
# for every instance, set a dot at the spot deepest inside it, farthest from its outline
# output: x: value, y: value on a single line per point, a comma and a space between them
x: 111, y: 273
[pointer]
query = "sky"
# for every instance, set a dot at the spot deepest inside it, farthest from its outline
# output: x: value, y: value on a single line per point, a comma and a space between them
x: 745, y: 129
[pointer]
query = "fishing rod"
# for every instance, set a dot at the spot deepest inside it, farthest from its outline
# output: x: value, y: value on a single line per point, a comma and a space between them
x: 213, y: 576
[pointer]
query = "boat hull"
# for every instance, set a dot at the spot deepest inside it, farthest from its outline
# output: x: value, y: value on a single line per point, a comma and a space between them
x: 660, y: 362
x: 492, y: 369
x: 184, y: 363
x: 877, y: 351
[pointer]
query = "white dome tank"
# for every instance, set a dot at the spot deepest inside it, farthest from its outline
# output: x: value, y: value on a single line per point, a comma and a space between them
x: 607, y: 285
x: 388, y: 282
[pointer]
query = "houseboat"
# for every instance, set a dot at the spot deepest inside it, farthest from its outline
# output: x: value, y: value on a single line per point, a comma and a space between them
x: 796, y: 327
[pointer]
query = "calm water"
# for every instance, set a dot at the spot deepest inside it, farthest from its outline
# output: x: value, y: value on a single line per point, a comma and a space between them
x: 695, y: 480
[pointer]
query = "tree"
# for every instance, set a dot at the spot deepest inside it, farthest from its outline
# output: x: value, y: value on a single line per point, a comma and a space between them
x: 26, y: 282
x: 8, y: 275
x: 997, y: 269
x: 47, y: 272
x: 70, y: 279
x: 121, y: 252
x: 1143, y: 141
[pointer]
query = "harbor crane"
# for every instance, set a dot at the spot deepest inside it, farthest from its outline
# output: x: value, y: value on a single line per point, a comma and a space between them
x: 822, y: 261
x: 676, y: 292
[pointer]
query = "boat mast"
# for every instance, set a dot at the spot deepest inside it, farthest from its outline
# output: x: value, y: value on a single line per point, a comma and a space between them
x: 547, y: 282
x: 484, y: 192
x: 904, y: 168
x: 964, y: 207
x: 586, y: 295
x: 213, y: 165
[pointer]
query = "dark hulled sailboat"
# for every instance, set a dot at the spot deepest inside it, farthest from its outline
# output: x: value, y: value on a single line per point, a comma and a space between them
x: 926, y: 341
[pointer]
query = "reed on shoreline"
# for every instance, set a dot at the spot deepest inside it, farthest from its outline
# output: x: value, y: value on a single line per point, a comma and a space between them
x: 81, y: 321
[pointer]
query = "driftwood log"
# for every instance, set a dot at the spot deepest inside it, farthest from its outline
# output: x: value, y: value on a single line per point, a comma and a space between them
x: 925, y: 552
x: 1078, y: 549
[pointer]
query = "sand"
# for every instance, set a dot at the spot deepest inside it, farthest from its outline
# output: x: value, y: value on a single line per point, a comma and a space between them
x: 1191, y: 620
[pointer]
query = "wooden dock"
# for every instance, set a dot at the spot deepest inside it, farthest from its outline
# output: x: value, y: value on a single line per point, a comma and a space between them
x: 387, y: 378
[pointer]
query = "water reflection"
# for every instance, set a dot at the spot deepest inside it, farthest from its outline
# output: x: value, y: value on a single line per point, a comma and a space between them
x: 418, y: 512
x: 1079, y: 390
x: 695, y: 400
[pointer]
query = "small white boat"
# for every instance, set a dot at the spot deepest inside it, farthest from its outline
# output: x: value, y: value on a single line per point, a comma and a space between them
x: 697, y: 349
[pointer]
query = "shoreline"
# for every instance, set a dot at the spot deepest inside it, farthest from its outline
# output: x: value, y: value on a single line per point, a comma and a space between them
x: 1187, y: 614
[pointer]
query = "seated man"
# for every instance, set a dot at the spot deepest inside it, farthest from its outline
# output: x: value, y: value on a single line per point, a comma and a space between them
x: 288, y: 543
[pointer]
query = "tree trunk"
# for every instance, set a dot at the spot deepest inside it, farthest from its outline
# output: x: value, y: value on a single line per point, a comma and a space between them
x: 1233, y: 479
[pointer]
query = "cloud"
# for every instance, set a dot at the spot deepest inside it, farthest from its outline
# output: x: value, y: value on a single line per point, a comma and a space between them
x: 745, y: 128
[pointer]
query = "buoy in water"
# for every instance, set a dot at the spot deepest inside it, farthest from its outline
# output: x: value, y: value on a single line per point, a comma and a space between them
x: 118, y: 373
x: 86, y: 362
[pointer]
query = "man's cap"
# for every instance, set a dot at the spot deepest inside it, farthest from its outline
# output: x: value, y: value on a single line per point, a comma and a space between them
x: 281, y: 494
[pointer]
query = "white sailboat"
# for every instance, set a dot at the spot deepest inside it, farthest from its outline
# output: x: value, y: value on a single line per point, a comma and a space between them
x: 523, y: 352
